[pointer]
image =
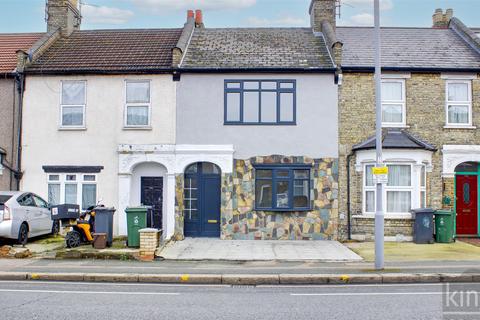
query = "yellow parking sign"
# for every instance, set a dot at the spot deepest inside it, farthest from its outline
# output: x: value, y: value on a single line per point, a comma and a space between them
x: 380, y: 171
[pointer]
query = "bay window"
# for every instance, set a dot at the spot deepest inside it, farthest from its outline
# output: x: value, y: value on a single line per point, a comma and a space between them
x: 400, y: 192
x: 459, y: 103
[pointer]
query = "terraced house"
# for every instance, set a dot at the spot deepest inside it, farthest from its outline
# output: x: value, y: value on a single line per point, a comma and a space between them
x: 431, y: 108
x: 259, y: 108
x: 90, y: 97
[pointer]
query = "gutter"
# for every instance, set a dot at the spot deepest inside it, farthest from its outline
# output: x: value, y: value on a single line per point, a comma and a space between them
x: 20, y: 83
x: 349, y: 211
x: 408, y: 69
x: 258, y: 70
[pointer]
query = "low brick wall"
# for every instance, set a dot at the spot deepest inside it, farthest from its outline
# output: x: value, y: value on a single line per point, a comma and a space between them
x: 363, y: 228
x: 149, y: 242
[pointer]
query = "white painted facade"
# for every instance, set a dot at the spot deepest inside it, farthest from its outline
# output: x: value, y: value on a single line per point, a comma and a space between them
x: 453, y: 155
x: 46, y: 143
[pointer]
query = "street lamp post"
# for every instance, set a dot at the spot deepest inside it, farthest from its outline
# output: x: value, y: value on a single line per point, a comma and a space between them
x: 379, y: 214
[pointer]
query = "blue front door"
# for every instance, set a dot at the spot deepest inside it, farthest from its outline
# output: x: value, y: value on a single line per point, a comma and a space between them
x: 202, y: 200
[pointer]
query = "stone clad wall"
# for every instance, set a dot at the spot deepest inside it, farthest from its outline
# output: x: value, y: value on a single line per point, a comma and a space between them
x: 425, y: 105
x: 241, y: 221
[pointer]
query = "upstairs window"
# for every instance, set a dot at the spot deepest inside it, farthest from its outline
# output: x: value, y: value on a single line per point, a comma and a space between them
x: 393, y: 103
x: 73, y: 104
x: 138, y: 106
x: 285, y: 188
x: 459, y: 103
x: 257, y: 102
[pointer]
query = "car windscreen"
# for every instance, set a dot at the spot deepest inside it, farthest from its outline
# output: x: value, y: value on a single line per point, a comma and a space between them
x: 3, y: 199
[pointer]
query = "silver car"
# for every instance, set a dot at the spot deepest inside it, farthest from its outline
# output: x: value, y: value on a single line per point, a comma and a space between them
x: 24, y: 215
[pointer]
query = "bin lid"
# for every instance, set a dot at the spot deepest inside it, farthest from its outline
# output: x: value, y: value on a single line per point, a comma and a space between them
x: 423, y: 210
x: 443, y: 212
x: 137, y: 209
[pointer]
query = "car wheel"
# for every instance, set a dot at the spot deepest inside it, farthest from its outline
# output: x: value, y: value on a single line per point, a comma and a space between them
x: 55, y: 228
x: 23, y: 234
x: 73, y: 239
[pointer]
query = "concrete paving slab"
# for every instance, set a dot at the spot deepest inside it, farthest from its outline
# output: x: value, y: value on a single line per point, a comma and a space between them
x: 245, y: 250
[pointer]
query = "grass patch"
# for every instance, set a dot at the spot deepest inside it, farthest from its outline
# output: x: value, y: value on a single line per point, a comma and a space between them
x: 408, y: 251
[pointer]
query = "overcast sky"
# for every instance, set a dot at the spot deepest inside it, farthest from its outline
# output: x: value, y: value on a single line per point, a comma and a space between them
x: 28, y: 15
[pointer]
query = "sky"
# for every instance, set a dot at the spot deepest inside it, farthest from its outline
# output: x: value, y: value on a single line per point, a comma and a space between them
x: 107, y: 14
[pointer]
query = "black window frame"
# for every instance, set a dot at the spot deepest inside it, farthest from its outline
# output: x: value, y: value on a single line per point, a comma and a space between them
x: 291, y: 179
x: 278, y: 90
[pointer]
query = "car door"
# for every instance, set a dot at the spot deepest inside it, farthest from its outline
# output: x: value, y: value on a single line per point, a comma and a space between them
x: 30, y: 213
x: 45, y: 218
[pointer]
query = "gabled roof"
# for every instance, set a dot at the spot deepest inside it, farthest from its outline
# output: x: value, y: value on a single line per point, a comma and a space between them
x: 109, y: 51
x: 10, y: 43
x: 257, y: 48
x: 395, y: 139
x: 408, y: 48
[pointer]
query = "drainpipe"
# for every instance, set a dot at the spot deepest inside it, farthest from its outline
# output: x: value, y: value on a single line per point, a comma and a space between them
x: 349, y: 222
x: 20, y: 82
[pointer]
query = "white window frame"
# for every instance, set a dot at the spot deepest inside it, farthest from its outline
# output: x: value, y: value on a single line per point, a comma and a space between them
x: 79, y: 182
x: 395, y: 102
x: 149, y: 105
x: 84, y: 107
x: 459, y: 103
x: 414, y: 178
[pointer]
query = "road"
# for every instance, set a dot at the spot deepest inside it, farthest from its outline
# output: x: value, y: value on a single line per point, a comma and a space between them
x: 52, y: 300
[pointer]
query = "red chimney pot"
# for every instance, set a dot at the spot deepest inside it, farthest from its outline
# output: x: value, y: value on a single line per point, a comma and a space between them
x: 198, y: 17
x: 190, y: 14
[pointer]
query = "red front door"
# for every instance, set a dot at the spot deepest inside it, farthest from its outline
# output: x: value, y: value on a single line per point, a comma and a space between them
x: 467, y: 205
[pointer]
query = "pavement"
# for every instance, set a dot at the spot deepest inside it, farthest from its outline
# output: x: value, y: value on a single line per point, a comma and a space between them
x: 193, y: 249
x: 230, y: 272
x: 54, y: 300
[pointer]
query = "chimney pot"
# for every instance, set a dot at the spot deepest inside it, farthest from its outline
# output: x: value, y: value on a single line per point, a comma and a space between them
x: 199, y: 19
x: 442, y: 20
x: 190, y: 14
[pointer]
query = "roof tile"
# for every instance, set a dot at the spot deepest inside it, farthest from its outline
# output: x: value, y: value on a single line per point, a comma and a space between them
x: 10, y: 43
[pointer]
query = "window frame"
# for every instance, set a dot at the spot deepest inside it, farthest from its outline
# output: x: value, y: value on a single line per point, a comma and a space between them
x: 241, y: 90
x: 291, y: 180
x: 84, y: 107
x: 403, y: 102
x: 79, y: 182
x: 386, y: 188
x: 138, y: 104
x: 468, y: 104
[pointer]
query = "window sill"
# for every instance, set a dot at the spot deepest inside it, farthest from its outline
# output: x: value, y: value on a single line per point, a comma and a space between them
x: 387, y: 216
x: 283, y: 210
x: 146, y: 128
x: 467, y: 127
x: 400, y: 126
x: 72, y: 128
x: 259, y: 124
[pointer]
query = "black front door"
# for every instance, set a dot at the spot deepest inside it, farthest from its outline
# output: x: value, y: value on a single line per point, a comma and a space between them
x: 202, y: 200
x: 152, y: 195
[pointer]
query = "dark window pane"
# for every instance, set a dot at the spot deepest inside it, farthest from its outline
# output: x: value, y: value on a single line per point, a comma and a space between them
x: 282, y: 194
x: 300, y: 194
x: 302, y: 174
x: 192, y: 168
x: 264, y: 174
x: 263, y: 193
x: 283, y: 173
x: 467, y: 167
x: 210, y: 168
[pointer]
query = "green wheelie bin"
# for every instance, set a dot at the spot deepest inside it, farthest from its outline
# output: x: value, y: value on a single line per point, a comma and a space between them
x: 444, y: 225
x: 136, y: 220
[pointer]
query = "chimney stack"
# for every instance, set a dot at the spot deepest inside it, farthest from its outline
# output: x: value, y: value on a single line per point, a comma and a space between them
x: 199, y: 19
x: 321, y: 11
x: 442, y: 20
x: 63, y: 15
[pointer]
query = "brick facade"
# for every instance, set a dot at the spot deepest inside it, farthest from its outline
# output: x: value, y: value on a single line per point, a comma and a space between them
x: 425, y: 118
